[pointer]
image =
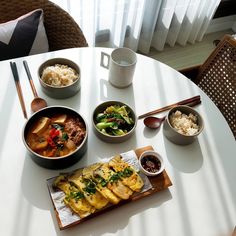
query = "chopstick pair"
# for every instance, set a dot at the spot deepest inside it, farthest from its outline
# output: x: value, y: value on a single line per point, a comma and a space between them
x: 18, y: 87
x: 189, y: 102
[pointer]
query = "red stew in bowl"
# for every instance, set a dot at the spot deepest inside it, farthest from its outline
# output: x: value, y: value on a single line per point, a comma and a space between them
x: 56, y: 136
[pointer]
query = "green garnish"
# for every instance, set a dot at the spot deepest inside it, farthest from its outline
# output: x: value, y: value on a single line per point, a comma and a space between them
x: 64, y: 136
x: 90, y: 186
x: 114, y: 178
x: 101, y: 181
x: 127, y: 172
x: 77, y: 195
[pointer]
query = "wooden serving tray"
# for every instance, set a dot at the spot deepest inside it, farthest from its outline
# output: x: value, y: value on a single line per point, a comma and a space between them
x: 159, y: 182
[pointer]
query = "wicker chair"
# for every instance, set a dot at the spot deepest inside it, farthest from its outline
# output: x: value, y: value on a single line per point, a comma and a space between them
x: 62, y: 31
x: 217, y: 78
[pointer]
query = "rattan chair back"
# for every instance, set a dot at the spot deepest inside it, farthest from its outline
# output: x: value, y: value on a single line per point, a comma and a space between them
x: 217, y: 78
x: 62, y: 31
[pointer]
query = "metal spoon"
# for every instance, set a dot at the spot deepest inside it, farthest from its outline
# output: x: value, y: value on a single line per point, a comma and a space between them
x: 37, y: 103
x: 153, y: 122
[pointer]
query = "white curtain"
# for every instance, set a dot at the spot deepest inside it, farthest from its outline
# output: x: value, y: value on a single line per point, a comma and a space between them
x: 141, y: 24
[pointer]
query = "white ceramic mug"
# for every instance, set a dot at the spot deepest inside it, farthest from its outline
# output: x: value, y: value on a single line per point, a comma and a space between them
x: 121, y: 64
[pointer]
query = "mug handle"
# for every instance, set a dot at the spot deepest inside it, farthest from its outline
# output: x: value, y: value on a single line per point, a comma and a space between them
x: 103, y: 54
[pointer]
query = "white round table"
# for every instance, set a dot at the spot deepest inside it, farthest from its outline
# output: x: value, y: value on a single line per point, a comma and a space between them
x: 201, y: 200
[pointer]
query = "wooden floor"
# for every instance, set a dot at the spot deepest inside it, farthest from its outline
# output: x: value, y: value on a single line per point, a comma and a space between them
x: 180, y: 57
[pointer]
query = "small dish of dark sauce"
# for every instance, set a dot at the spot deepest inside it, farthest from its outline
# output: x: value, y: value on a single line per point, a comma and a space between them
x: 151, y: 163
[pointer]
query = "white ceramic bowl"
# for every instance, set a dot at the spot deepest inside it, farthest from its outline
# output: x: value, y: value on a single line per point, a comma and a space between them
x: 151, y: 159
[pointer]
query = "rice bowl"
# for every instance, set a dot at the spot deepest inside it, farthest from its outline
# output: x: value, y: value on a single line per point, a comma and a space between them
x: 59, y: 81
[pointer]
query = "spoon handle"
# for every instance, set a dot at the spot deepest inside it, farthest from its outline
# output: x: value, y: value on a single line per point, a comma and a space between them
x: 30, y: 78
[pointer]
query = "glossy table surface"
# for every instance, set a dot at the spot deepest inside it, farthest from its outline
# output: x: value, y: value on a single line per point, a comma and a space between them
x: 201, y: 200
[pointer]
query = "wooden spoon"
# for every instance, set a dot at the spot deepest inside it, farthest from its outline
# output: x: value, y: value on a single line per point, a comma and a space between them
x: 153, y: 122
x: 37, y: 103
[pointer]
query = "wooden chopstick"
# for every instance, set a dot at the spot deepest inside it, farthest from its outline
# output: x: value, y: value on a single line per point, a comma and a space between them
x: 30, y: 78
x: 18, y: 87
x: 194, y: 103
x: 183, y: 102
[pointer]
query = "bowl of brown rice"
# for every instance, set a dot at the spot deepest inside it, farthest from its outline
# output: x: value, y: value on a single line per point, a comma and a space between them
x: 182, y: 125
x: 59, y: 78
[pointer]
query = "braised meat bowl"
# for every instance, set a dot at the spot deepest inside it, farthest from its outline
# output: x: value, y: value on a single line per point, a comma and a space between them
x: 56, y: 137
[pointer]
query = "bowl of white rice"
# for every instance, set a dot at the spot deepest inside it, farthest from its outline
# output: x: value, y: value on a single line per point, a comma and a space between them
x: 59, y: 78
x: 182, y: 125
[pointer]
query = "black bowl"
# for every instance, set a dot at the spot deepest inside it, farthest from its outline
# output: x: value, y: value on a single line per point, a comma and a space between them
x: 56, y: 162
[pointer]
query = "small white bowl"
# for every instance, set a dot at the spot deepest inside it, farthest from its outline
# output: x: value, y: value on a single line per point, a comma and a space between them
x: 153, y: 156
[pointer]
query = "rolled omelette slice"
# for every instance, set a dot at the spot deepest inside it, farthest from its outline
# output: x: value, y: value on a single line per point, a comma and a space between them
x: 113, y: 181
x: 87, y: 186
x: 74, y: 198
x: 101, y: 184
x: 128, y: 175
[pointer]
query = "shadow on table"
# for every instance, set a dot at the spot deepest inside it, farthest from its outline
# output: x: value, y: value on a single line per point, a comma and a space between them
x: 187, y: 159
x: 149, y: 133
x: 116, y: 219
x: 33, y: 183
x: 102, y: 149
x: 73, y: 102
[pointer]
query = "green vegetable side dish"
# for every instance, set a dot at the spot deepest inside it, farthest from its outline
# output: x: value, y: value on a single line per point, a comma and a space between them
x: 115, y: 121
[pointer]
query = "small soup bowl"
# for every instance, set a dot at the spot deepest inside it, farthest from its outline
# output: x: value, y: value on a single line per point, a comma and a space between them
x: 151, y: 163
x: 173, y: 134
x: 59, y: 162
x: 59, y: 92
x: 108, y: 137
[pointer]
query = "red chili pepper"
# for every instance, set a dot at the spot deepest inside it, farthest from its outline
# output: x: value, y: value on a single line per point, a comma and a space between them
x: 54, y: 133
x: 51, y: 143
x: 57, y: 132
